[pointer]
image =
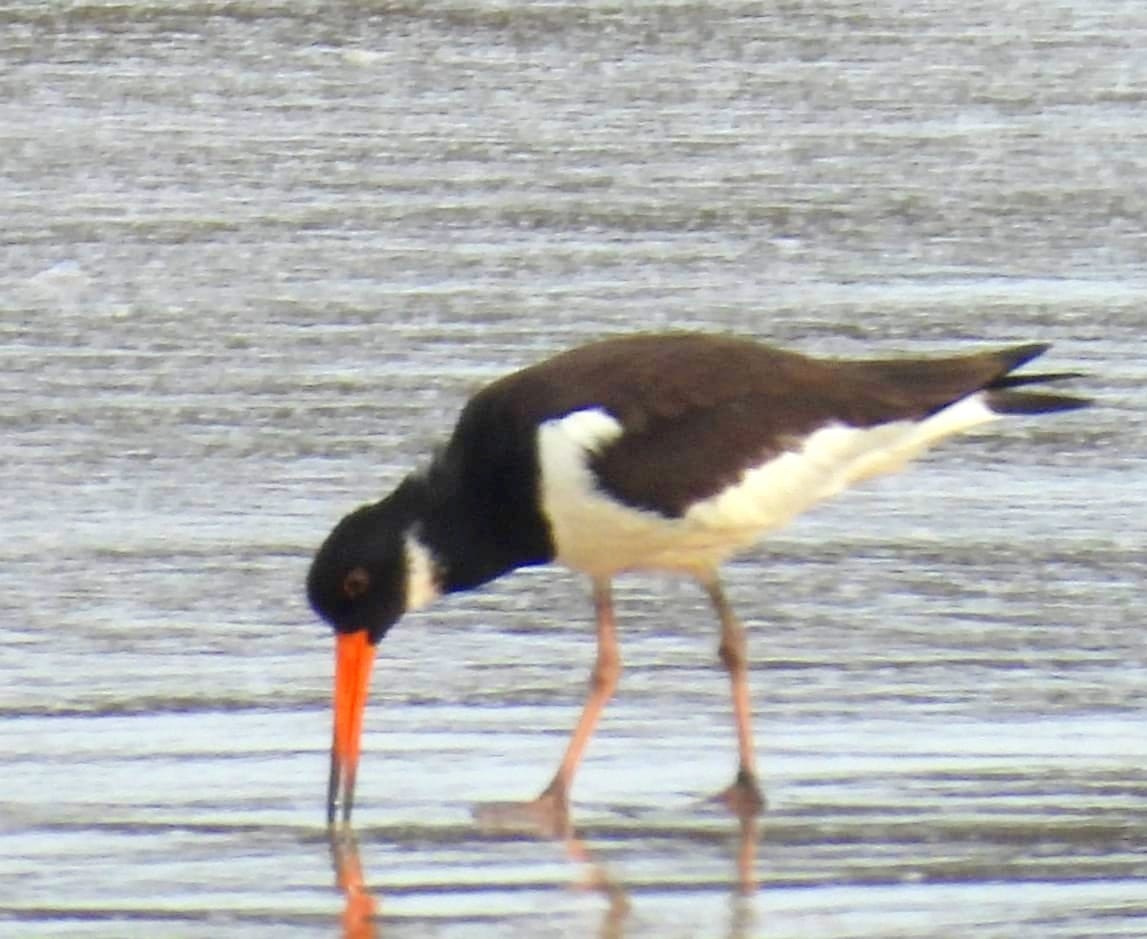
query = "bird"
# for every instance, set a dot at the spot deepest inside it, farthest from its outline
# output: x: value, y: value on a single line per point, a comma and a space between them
x: 667, y: 452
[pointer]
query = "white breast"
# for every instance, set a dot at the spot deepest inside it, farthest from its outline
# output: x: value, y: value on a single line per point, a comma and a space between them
x: 601, y: 536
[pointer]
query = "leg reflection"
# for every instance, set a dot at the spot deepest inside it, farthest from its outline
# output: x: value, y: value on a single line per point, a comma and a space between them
x: 598, y: 879
x: 361, y: 918
x: 747, y: 854
x: 358, y: 913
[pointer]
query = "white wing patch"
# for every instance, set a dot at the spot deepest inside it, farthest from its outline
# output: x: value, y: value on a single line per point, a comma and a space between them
x: 599, y: 535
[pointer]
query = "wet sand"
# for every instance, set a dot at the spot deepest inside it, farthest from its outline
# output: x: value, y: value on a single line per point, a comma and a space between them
x: 255, y: 259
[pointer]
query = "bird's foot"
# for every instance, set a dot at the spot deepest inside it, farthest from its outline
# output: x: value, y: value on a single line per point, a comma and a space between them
x: 743, y: 797
x: 547, y: 815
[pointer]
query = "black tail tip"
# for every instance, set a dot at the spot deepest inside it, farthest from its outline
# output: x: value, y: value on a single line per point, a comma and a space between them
x: 1033, y: 402
x: 1003, y: 396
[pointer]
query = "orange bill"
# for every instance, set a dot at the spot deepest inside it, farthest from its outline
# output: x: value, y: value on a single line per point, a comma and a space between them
x: 354, y: 656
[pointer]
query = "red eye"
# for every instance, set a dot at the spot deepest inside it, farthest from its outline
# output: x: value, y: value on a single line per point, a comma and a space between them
x: 356, y: 582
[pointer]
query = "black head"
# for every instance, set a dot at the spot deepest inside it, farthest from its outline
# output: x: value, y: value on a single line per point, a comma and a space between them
x: 358, y: 579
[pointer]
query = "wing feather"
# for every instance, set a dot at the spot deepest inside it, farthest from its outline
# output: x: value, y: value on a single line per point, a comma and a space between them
x: 699, y: 410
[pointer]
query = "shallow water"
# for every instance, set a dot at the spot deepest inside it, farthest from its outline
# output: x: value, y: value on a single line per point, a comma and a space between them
x: 255, y: 255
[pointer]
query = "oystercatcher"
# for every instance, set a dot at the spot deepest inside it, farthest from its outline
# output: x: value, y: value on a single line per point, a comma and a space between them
x: 665, y: 452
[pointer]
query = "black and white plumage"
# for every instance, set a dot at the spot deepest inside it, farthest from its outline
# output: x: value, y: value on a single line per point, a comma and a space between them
x: 647, y: 452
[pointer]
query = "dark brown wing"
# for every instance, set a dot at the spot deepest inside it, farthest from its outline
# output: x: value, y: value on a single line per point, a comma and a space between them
x: 698, y: 410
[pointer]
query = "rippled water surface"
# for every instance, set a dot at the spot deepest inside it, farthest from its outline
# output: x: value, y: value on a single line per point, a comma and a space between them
x: 255, y: 255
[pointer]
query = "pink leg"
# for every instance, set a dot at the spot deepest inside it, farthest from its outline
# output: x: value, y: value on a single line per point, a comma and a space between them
x: 603, y: 683
x: 744, y: 796
x: 550, y: 810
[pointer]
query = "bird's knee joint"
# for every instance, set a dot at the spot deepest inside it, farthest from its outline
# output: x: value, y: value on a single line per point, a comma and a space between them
x: 732, y: 655
x: 605, y: 675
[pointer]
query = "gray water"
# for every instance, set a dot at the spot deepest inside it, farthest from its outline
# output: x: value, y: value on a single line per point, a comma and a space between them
x: 255, y: 255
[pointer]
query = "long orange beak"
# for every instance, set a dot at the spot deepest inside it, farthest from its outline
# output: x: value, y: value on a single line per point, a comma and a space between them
x: 354, y: 656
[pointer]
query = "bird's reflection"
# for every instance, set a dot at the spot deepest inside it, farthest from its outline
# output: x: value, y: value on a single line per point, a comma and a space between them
x: 597, y: 878
x: 362, y: 917
x: 360, y: 909
x: 747, y: 854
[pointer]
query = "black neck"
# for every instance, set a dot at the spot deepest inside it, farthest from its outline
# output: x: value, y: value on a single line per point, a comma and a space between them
x: 480, y: 529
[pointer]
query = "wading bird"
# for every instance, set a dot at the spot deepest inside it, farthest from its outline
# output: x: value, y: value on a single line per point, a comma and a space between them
x: 665, y: 452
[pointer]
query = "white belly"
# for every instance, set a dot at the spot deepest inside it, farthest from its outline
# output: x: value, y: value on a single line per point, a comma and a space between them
x: 596, y: 534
